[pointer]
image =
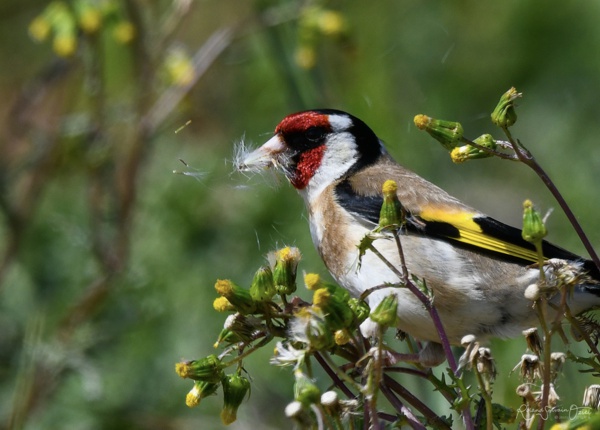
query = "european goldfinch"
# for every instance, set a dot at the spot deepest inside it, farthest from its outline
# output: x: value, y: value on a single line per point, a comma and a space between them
x: 477, y: 267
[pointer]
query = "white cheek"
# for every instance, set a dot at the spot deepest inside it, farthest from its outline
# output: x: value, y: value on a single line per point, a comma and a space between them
x: 340, y: 156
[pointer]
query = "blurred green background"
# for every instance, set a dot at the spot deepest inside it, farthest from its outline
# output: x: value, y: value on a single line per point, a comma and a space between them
x: 108, y: 258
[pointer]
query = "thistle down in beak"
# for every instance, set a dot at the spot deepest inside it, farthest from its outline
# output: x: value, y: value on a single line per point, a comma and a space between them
x: 264, y: 157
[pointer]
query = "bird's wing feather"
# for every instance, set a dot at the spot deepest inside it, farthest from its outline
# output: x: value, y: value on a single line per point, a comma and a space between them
x: 485, y: 233
x: 448, y: 219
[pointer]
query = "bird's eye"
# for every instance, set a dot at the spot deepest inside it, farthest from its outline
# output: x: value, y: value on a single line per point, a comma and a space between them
x: 315, y: 134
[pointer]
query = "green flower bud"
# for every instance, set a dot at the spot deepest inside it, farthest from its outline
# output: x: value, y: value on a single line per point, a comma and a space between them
x: 385, y: 314
x: 240, y: 327
x: 207, y: 369
x: 228, y: 336
x: 448, y: 133
x: 305, y: 390
x: 284, y: 272
x: 237, y: 296
x: 64, y: 28
x: 235, y: 388
x: 534, y: 229
x: 360, y: 309
x: 262, y: 288
x: 337, y: 312
x: 504, y: 114
x: 200, y: 391
x: 463, y: 153
x: 391, y: 212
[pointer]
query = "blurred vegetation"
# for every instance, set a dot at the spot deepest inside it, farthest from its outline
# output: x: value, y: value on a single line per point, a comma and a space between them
x: 108, y: 258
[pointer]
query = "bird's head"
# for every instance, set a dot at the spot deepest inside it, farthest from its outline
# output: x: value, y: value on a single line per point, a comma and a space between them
x: 316, y: 147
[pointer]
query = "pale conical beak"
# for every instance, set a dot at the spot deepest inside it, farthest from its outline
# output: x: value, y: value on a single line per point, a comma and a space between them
x: 268, y: 155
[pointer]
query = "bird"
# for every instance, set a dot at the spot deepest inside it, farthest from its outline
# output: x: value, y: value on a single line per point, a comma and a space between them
x: 477, y: 268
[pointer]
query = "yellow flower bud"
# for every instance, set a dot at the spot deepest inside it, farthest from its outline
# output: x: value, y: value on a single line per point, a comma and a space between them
x: 337, y: 313
x: 468, y: 152
x: 391, y: 213
x: 448, y: 133
x: 64, y: 44
x: 65, y: 30
x: 221, y: 304
x: 124, y: 32
x: 89, y: 15
x: 180, y: 68
x: 200, y: 391
x: 237, y: 296
x: 331, y: 23
x: 341, y: 337
x: 312, y: 281
x: 285, y: 268
x: 207, y: 369
x: 306, y: 57
x: 39, y: 28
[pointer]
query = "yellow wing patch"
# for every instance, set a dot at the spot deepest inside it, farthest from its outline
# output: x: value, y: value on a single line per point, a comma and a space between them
x: 470, y: 232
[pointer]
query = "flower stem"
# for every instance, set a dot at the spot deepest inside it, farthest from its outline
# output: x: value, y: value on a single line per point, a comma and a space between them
x: 399, y: 406
x: 526, y: 157
x: 431, y: 416
x: 487, y: 398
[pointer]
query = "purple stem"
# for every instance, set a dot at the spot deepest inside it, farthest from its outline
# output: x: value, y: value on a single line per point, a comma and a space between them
x: 397, y: 404
x: 431, y: 416
x: 528, y: 159
x: 336, y: 379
